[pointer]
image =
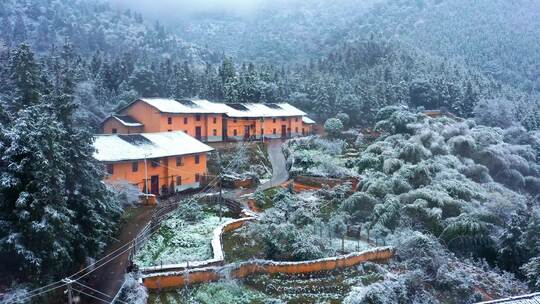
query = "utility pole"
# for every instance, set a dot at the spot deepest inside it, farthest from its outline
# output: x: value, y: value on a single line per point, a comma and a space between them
x: 146, y: 177
x: 220, y: 175
x: 69, y: 290
x: 262, y: 130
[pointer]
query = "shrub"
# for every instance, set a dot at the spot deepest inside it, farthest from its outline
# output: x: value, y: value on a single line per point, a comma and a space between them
x: 369, y: 161
x: 344, y: 118
x: 391, y: 165
x: 359, y: 206
x: 463, y: 145
x: 413, y: 153
x: 333, y: 127
x: 190, y: 211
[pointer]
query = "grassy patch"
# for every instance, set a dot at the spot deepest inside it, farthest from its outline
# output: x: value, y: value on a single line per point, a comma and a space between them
x: 179, y: 241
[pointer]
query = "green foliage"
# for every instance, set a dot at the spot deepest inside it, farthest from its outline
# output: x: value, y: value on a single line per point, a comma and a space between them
x: 344, y: 118
x: 333, y: 127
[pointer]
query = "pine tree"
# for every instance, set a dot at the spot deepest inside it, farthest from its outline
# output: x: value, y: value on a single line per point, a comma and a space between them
x: 19, y: 30
x: 24, y: 74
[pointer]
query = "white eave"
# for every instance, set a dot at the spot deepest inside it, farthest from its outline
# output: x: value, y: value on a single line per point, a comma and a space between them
x: 127, y: 124
x: 307, y: 120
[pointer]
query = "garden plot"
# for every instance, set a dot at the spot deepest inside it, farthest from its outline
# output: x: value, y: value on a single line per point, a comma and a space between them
x: 229, y: 292
x: 180, y: 240
x: 323, y: 287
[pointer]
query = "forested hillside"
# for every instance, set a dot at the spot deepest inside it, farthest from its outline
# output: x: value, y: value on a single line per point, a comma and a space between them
x: 90, y: 26
x: 279, y: 31
x: 500, y: 37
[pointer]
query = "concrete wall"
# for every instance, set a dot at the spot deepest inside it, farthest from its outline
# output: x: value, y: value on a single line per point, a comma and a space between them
x: 242, y: 270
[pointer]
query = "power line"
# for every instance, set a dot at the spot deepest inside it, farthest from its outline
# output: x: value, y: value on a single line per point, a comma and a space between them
x: 89, y: 295
x: 99, y: 292
x: 25, y: 298
x: 106, y: 259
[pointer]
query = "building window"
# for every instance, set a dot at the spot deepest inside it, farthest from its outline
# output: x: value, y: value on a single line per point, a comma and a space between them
x: 303, y: 131
x: 185, y: 131
x: 134, y: 166
x: 296, y: 129
x: 169, y: 130
x: 215, y: 119
x: 274, y: 131
x: 114, y: 131
x: 169, y: 120
x: 262, y: 131
x: 179, y: 161
x: 198, y: 117
x: 178, y: 180
x: 155, y: 163
x: 234, y: 120
x: 185, y: 120
x: 274, y: 120
x: 197, y: 159
x: 197, y: 177
x: 296, y: 119
x: 283, y: 119
x: 110, y: 169
x: 235, y: 132
x: 214, y: 132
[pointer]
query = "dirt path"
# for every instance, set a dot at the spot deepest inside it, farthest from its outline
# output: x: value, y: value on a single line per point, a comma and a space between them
x: 279, y: 169
x: 109, y: 278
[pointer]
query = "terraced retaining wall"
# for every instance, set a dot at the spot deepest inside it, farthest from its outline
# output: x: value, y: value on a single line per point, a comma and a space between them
x: 210, y: 274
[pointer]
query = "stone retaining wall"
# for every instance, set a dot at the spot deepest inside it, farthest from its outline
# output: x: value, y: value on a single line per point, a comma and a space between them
x: 175, y: 279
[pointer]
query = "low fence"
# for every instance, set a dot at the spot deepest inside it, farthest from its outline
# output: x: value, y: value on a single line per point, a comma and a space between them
x: 175, y: 279
x: 318, y: 182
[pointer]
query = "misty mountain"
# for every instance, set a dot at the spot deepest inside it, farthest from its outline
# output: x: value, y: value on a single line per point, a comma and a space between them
x: 498, y: 36
x: 91, y: 26
x: 284, y: 31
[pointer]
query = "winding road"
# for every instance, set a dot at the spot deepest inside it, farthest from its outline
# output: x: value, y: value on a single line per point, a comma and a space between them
x: 279, y: 165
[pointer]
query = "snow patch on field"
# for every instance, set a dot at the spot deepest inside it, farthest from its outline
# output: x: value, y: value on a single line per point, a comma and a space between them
x: 179, y: 241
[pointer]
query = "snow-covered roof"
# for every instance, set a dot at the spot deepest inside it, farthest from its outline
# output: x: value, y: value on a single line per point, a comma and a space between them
x: 262, y: 110
x: 533, y: 298
x: 183, y: 106
x: 117, y: 147
x: 127, y: 120
x: 203, y: 106
x: 307, y: 120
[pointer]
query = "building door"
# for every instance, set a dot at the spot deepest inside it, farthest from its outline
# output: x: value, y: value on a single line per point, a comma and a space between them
x: 283, y: 131
x: 154, y: 184
x: 224, y: 128
x: 198, y: 133
x: 247, y: 132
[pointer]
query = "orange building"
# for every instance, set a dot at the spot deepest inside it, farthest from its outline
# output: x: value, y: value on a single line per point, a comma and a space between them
x: 121, y: 124
x: 160, y: 162
x: 210, y: 121
x: 307, y: 126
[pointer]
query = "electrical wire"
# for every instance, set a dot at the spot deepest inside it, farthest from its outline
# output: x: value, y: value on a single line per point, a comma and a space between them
x: 25, y: 298
x: 99, y: 292
x: 107, y: 259
x: 90, y: 295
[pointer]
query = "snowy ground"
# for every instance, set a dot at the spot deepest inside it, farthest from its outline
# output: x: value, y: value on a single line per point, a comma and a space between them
x: 178, y: 241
